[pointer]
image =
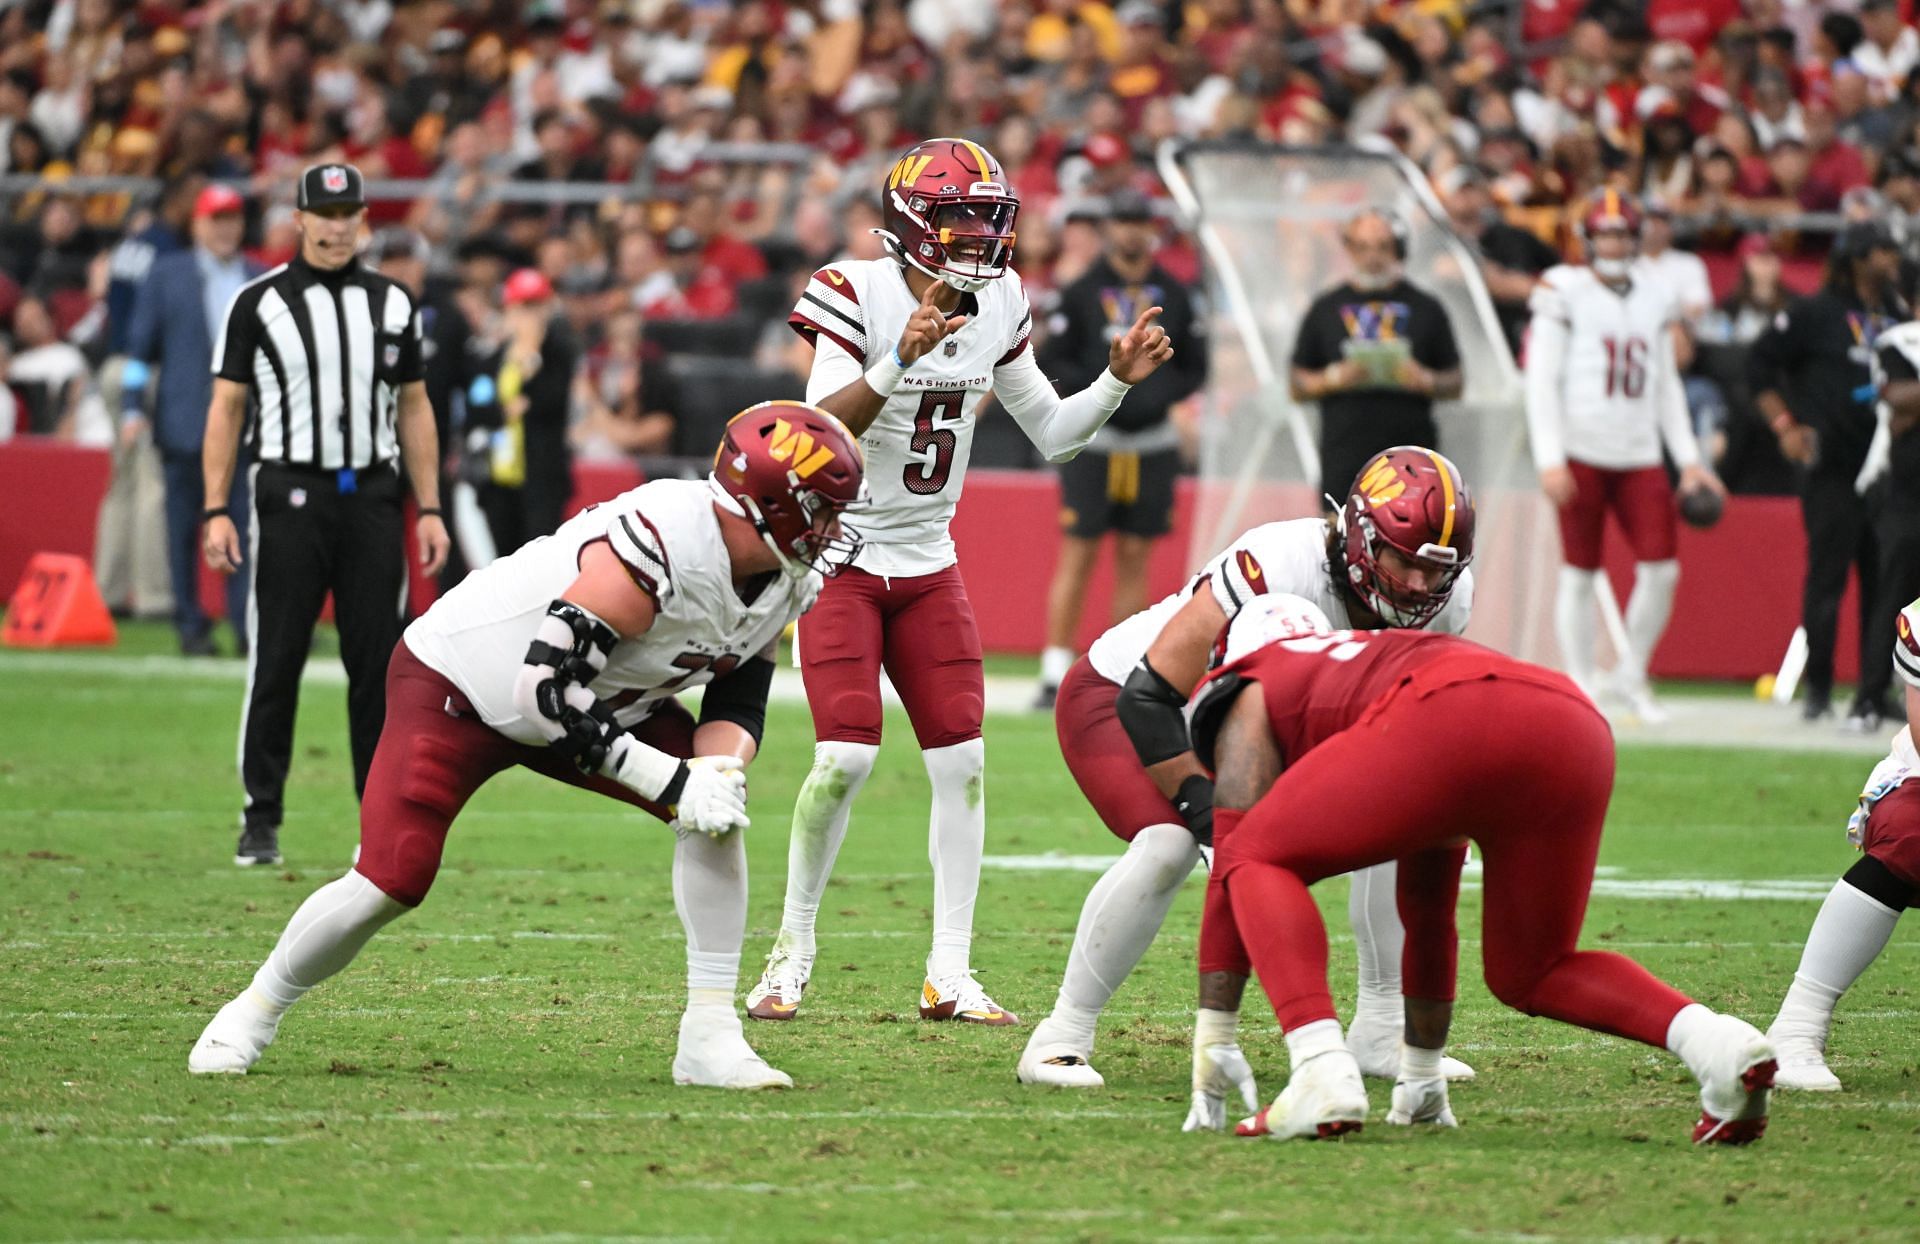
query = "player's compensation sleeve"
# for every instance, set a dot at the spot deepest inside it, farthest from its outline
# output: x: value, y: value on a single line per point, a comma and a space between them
x: 1676, y: 425
x: 1059, y: 427
x: 833, y: 369
x: 1545, y: 359
x: 570, y: 647
x: 740, y: 697
x: 1151, y: 711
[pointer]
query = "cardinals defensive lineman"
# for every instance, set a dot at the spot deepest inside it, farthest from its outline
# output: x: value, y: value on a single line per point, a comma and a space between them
x: 905, y: 348
x: 565, y: 657
x: 1396, y: 555
x: 1603, y: 394
x: 1479, y: 746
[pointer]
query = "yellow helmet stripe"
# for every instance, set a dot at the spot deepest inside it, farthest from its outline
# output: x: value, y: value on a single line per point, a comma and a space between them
x: 979, y: 159
x: 1446, y: 495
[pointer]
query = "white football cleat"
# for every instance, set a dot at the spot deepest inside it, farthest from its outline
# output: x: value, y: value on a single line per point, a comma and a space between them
x: 1737, y: 1072
x: 1058, y: 1064
x: 778, y: 992
x: 1374, y: 1043
x: 958, y: 996
x: 233, y: 1039
x: 1640, y: 703
x: 1325, y: 1097
x: 714, y: 1052
x: 1421, y: 1101
x: 1803, y: 1063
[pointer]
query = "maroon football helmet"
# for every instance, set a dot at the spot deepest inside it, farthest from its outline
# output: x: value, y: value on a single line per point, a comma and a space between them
x: 794, y: 470
x: 1413, y: 501
x: 1610, y: 211
x: 949, y: 212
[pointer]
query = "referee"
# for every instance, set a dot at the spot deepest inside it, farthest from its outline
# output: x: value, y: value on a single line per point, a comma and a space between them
x: 330, y: 352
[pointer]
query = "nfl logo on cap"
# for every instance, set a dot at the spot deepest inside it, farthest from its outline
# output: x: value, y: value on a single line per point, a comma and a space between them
x: 333, y: 179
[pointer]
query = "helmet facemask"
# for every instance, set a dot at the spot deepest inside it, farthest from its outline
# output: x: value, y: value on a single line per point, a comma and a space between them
x: 821, y: 540
x: 965, y: 241
x: 1392, y: 598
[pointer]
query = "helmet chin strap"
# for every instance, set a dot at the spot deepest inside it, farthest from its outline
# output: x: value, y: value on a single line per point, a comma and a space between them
x: 965, y: 284
x: 741, y: 507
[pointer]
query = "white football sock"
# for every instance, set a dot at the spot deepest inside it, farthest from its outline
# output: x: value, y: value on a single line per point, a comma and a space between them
x: 710, y: 893
x: 1848, y: 934
x: 324, y: 935
x: 820, y: 815
x: 1054, y: 664
x: 1575, y: 624
x: 1373, y: 911
x: 956, y: 839
x: 1648, y: 609
x: 1122, y: 915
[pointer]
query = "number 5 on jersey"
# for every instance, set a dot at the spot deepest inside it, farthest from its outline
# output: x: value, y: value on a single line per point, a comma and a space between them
x: 928, y: 476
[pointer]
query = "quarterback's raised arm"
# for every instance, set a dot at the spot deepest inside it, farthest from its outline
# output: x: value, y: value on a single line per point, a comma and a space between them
x: 1061, y: 427
x: 841, y: 383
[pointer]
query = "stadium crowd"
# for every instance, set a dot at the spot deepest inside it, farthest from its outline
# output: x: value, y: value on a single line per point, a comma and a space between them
x: 674, y: 170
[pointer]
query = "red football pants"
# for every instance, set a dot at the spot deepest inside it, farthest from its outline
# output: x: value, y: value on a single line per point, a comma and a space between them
x: 1522, y: 768
x: 434, y: 754
x: 1102, y: 758
x: 1640, y: 499
x: 921, y: 629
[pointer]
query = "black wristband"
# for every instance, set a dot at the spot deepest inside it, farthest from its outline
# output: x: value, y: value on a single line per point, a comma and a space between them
x: 432, y: 511
x: 218, y: 511
x: 675, y: 788
x: 1194, y: 802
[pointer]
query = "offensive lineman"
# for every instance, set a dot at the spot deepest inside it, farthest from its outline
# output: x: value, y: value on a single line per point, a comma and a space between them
x: 1480, y: 746
x: 565, y: 657
x: 1395, y: 555
x: 1603, y: 394
x: 904, y: 349
x: 1859, y: 914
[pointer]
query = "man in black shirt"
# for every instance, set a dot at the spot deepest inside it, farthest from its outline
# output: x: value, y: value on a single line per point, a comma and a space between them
x: 1123, y: 483
x: 1814, y: 387
x: 1511, y: 259
x: 1376, y: 352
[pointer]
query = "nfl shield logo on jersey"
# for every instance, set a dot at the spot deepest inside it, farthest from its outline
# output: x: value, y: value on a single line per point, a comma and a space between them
x: 333, y: 179
x: 953, y: 347
x: 391, y: 355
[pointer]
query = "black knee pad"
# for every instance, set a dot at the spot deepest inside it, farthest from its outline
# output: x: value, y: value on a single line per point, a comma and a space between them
x: 1880, y: 883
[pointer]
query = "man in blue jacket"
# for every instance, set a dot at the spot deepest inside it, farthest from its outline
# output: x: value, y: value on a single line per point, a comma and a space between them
x: 176, y: 320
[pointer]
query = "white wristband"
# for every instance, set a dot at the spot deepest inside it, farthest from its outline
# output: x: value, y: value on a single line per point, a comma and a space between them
x: 646, y: 771
x: 884, y: 377
x: 1419, y: 1064
x: 1211, y: 1027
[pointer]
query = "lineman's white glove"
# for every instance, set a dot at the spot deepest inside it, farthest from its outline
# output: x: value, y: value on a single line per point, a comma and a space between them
x: 1421, y: 1101
x: 1218, y: 1069
x: 714, y: 799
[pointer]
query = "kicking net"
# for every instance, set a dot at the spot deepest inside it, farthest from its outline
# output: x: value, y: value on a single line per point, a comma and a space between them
x: 1269, y: 219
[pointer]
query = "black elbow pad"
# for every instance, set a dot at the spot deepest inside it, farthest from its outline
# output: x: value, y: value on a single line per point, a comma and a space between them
x: 1152, y: 711
x: 740, y: 697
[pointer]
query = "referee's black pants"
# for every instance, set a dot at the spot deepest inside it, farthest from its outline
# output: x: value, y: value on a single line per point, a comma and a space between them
x: 1840, y: 535
x: 309, y: 538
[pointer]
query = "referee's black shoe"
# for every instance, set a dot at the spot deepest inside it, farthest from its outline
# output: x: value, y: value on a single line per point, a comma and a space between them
x: 259, y: 844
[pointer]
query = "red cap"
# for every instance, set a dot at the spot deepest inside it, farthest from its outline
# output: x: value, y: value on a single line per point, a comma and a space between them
x: 217, y: 201
x: 1105, y: 150
x: 526, y: 285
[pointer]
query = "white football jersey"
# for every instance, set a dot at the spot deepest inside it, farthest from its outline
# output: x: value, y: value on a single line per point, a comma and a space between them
x: 1288, y: 556
x: 918, y: 446
x: 1615, y: 370
x: 670, y: 540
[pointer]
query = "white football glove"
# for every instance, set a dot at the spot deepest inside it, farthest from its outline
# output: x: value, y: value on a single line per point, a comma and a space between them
x: 1206, y: 856
x: 1218, y: 1070
x: 714, y: 800
x: 1421, y: 1101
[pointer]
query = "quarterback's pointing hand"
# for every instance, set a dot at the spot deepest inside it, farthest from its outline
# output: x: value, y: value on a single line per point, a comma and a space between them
x: 927, y: 326
x: 1138, y: 353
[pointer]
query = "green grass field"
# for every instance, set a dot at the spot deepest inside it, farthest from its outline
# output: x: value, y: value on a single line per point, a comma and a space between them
x: 496, y: 1065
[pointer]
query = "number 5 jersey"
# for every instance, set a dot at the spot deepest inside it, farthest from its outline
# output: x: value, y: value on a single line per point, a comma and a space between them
x: 853, y: 312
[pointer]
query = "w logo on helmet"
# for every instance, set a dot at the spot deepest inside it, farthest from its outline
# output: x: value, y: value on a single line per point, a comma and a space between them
x: 794, y: 445
x: 333, y: 179
x: 908, y: 170
x: 1380, y: 483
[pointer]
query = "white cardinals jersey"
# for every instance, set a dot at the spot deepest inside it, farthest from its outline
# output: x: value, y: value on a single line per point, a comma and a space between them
x: 1602, y: 384
x: 918, y: 446
x: 669, y: 538
x: 1288, y: 556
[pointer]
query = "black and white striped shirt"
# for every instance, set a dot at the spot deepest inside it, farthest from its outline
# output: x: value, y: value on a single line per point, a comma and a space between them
x: 325, y: 354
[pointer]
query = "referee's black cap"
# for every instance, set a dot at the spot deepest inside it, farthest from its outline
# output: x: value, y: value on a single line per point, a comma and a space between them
x: 331, y: 185
x: 1863, y: 237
